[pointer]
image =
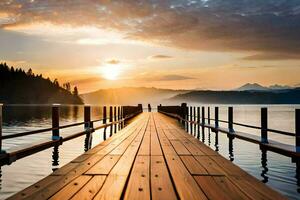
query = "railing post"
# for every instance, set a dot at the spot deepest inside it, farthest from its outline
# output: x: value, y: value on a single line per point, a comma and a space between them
x: 183, y: 111
x: 198, y: 122
x: 122, y: 116
x: 115, y: 118
x: 203, y: 115
x: 55, y: 122
x: 1, y: 105
x: 104, y: 122
x: 195, y: 121
x: 187, y: 118
x: 87, y: 117
x: 208, y: 115
x: 230, y: 119
x: 297, y: 121
x: 110, y: 120
x: 264, y: 125
x: 191, y: 119
x: 119, y: 117
x: 216, y: 117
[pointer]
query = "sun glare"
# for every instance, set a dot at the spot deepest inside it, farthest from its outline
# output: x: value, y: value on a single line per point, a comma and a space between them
x: 111, y: 72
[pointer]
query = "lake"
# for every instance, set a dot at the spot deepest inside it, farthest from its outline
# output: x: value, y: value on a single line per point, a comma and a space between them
x: 273, y: 169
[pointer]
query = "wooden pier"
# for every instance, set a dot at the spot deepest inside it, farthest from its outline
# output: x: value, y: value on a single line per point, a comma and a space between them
x: 152, y: 158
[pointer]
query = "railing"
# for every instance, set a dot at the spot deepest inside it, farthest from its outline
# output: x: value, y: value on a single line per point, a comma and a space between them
x: 116, y: 121
x: 191, y: 116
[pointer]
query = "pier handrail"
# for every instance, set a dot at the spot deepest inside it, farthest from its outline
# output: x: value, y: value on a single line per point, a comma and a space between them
x: 181, y: 113
x: 124, y: 113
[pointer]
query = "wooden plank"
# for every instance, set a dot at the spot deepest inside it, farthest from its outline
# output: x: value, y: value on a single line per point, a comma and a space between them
x: 155, y: 145
x: 90, y: 189
x: 186, y: 186
x: 211, y: 167
x: 69, y: 190
x: 45, y: 182
x: 219, y: 188
x: 145, y: 146
x: 81, y: 158
x: 139, y: 186
x: 194, y: 167
x: 104, y: 166
x: 65, y: 169
x: 254, y: 188
x: 161, y: 184
x: 179, y: 148
x: 115, y: 182
x: 227, y: 166
x: 194, y: 149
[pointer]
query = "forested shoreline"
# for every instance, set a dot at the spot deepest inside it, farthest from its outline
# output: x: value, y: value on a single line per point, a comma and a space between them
x: 20, y: 87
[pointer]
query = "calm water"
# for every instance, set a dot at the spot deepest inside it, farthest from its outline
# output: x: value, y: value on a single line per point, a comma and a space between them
x: 275, y: 170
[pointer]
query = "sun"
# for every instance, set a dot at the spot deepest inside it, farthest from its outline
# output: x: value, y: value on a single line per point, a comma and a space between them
x: 111, y: 72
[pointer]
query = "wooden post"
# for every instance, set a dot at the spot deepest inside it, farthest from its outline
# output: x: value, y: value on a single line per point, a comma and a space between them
x: 122, y: 116
x: 203, y: 122
x: 198, y: 121
x: 110, y: 120
x: 1, y: 105
x: 297, y: 121
x: 203, y: 115
x: 115, y: 117
x: 183, y: 113
x: 195, y: 119
x: 230, y: 119
x: 208, y: 115
x: 217, y: 117
x: 264, y: 125
x: 55, y: 122
x: 191, y: 119
x: 104, y: 122
x: 187, y: 118
x: 87, y: 117
x: 119, y: 117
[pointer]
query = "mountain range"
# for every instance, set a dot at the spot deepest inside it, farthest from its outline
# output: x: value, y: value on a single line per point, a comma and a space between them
x: 258, y: 87
x: 246, y: 94
x: 130, y: 96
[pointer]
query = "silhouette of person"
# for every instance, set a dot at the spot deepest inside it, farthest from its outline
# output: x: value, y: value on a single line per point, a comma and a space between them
x: 149, y: 107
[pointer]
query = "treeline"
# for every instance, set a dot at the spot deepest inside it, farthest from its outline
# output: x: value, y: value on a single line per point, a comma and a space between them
x: 20, y: 87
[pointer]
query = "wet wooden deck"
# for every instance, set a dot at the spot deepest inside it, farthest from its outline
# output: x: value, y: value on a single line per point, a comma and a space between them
x: 152, y: 158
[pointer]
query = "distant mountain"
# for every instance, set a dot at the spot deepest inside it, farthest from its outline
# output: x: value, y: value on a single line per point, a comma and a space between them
x: 280, y: 87
x: 20, y: 87
x: 130, y: 95
x: 258, y: 87
x: 288, y: 96
x: 251, y: 86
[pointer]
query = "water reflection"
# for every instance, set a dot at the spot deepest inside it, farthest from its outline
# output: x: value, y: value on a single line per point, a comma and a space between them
x: 230, y: 147
x: 88, y: 141
x: 264, y: 165
x: 55, y: 158
x: 216, y: 141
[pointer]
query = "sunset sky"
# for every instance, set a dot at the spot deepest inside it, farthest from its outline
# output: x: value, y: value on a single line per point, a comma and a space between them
x: 179, y: 44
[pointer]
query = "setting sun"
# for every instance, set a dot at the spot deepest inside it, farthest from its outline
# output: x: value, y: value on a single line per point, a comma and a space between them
x: 111, y: 72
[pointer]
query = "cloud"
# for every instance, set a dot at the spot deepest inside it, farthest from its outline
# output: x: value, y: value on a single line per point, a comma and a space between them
x: 113, y: 62
x: 172, y: 77
x: 86, y: 81
x: 160, y: 57
x: 262, y: 26
x: 273, y: 56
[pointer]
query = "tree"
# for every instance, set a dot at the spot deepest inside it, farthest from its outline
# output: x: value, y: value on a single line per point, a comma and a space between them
x: 29, y: 72
x: 56, y: 83
x: 75, y: 91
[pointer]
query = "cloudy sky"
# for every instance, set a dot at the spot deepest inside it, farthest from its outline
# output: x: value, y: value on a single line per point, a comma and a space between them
x: 185, y: 44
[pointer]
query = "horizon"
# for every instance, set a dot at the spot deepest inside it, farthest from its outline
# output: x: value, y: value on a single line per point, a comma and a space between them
x: 173, y: 45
